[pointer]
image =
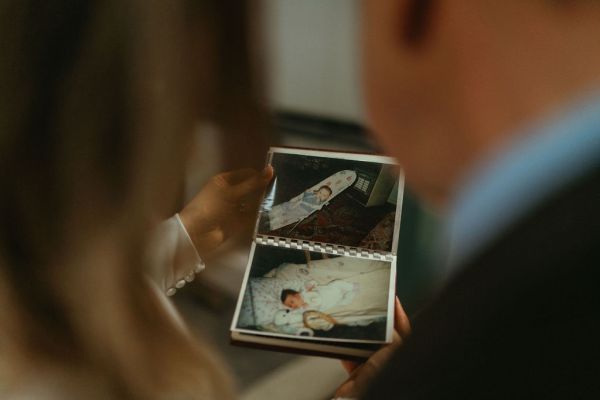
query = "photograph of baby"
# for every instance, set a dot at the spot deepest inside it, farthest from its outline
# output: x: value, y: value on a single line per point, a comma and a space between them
x: 331, y: 200
x: 299, y: 293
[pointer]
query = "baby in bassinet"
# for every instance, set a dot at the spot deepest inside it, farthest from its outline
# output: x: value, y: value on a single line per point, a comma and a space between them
x: 297, y: 208
x: 320, y: 297
x: 318, y: 197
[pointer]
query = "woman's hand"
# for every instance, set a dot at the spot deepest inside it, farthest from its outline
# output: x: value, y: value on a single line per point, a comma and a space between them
x: 226, y: 204
x: 362, y: 374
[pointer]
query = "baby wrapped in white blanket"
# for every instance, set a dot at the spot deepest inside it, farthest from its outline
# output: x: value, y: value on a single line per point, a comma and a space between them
x: 321, y: 297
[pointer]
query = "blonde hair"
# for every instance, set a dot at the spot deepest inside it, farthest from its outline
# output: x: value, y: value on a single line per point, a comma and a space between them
x: 97, y: 106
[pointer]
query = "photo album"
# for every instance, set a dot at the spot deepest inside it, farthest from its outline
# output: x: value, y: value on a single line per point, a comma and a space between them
x: 321, y: 273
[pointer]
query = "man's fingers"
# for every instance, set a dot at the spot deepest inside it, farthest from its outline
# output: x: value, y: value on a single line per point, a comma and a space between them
x: 350, y: 366
x: 363, y: 374
x: 381, y: 356
x: 396, y: 338
x: 346, y: 390
x: 401, y: 322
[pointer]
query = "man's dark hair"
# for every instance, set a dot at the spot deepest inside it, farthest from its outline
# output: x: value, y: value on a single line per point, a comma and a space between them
x: 287, y: 292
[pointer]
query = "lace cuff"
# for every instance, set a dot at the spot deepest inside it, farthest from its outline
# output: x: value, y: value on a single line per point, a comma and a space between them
x: 173, y: 256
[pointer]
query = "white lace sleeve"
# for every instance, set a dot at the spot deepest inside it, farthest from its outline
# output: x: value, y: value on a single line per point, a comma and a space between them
x: 172, y: 256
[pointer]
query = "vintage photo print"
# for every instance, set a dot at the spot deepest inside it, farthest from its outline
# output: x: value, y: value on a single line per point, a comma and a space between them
x: 297, y: 293
x: 326, y: 198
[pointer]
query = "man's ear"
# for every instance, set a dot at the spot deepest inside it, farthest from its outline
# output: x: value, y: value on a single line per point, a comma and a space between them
x: 418, y: 21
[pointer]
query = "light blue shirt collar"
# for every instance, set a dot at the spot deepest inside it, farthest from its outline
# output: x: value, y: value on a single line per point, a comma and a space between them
x: 521, y: 175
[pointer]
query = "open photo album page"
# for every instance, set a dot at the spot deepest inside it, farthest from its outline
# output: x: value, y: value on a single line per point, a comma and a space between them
x: 296, y: 293
x: 323, y: 198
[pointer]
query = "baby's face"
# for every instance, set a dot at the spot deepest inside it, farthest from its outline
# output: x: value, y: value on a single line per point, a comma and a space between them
x: 294, y: 301
x: 323, y: 194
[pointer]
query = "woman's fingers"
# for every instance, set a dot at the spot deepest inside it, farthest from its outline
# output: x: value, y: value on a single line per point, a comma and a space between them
x: 268, y: 172
x: 207, y: 242
x: 232, y: 178
x: 227, y: 203
x: 252, y: 185
x: 236, y: 185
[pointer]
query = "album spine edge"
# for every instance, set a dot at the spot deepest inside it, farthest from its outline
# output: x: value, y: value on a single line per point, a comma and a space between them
x: 326, y: 248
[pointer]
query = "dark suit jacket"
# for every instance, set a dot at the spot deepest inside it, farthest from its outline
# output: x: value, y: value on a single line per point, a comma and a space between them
x: 521, y: 320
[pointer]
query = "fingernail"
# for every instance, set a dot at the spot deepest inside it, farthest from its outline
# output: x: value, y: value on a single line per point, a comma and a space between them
x: 267, y: 171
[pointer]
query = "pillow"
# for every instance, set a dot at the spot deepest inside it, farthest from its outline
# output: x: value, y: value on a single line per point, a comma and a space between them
x: 266, y: 297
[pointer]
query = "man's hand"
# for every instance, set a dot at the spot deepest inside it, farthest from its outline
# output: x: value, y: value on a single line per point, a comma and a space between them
x: 226, y: 204
x: 362, y: 374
